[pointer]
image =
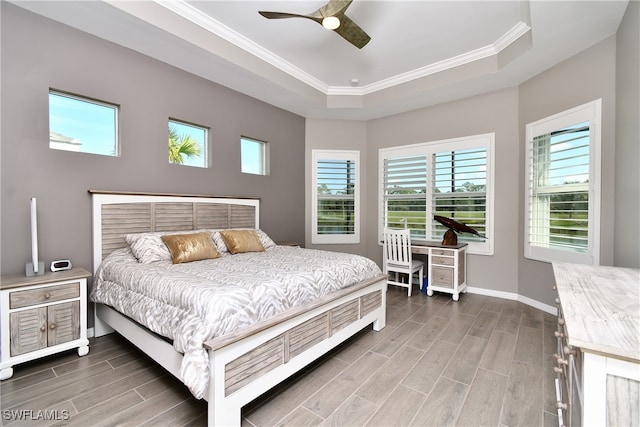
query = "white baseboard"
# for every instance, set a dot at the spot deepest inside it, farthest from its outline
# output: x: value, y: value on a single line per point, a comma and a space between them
x: 90, y: 333
x: 515, y: 297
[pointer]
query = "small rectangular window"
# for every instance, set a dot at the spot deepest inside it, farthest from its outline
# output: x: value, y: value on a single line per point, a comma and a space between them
x: 187, y: 144
x: 83, y: 125
x: 253, y: 156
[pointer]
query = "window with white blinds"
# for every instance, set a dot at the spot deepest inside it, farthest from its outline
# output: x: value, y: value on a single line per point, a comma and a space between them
x: 459, y: 190
x: 335, y: 210
x: 405, y: 193
x: 451, y: 178
x: 562, y: 204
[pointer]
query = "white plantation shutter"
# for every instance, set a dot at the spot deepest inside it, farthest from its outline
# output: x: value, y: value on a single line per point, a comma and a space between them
x: 459, y: 190
x: 562, y: 204
x: 405, y: 193
x: 335, y: 197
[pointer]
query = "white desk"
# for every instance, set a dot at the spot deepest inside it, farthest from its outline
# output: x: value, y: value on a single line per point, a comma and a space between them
x: 446, y: 265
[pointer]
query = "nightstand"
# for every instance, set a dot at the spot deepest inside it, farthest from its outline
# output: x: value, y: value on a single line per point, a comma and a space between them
x: 42, y: 315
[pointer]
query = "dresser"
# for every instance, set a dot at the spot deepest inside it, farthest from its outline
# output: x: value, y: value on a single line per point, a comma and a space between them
x: 42, y: 315
x: 598, y: 345
x: 446, y: 265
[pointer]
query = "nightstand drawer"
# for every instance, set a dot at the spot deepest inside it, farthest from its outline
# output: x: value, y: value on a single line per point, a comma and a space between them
x: 442, y: 276
x: 44, y: 295
x: 443, y: 252
x: 442, y: 260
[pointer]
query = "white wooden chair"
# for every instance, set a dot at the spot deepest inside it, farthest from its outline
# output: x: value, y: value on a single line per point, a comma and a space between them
x: 397, y: 258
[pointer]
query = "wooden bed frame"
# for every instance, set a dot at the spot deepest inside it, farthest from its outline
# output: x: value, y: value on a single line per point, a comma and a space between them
x: 245, y: 364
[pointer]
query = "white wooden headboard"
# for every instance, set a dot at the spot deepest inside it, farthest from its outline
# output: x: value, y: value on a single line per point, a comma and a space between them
x: 117, y: 213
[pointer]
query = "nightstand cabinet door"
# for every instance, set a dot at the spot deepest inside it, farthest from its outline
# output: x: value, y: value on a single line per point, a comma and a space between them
x: 28, y: 330
x: 42, y: 315
x: 63, y: 323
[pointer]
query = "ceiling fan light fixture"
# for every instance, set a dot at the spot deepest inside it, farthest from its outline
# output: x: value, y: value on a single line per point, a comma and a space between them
x: 331, y: 22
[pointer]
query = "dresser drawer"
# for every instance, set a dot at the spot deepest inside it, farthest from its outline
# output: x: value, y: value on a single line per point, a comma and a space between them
x: 442, y: 276
x: 440, y: 260
x: 443, y: 252
x: 44, y: 295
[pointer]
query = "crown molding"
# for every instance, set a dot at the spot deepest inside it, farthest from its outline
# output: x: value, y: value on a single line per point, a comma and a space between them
x: 195, y: 16
x: 190, y: 13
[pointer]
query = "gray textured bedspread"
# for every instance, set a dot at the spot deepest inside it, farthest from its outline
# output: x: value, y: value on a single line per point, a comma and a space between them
x: 193, y: 302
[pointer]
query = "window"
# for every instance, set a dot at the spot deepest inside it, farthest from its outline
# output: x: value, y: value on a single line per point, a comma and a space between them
x: 336, y: 197
x: 187, y: 144
x: 451, y: 178
x: 83, y: 125
x: 563, y: 190
x: 253, y: 156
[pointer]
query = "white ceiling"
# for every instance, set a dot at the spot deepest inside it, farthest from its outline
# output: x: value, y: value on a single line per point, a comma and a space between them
x: 421, y: 52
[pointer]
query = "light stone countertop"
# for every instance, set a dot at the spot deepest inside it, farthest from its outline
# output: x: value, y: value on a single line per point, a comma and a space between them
x: 601, y: 306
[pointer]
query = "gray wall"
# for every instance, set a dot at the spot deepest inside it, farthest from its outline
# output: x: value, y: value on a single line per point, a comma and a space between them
x: 494, y: 112
x: 38, y: 54
x: 627, y: 217
x: 587, y: 76
x: 341, y: 135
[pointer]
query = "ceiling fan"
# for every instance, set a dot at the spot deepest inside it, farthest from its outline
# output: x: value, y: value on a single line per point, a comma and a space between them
x: 332, y: 17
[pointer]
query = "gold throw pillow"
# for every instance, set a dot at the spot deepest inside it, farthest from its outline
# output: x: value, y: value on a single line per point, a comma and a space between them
x: 240, y: 241
x: 190, y: 247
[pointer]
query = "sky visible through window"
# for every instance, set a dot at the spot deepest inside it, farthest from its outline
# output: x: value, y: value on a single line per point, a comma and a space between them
x: 82, y: 125
x: 252, y: 156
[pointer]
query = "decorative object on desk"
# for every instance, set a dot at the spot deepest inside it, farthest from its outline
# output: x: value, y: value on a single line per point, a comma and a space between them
x: 450, y: 236
x: 60, y: 265
x: 35, y: 267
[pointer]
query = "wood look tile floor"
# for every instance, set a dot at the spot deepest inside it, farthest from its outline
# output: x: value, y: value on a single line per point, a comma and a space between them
x: 478, y: 361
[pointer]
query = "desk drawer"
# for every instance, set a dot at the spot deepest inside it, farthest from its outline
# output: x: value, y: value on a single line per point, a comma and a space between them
x: 443, y: 252
x: 442, y: 276
x: 44, y: 295
x: 440, y: 260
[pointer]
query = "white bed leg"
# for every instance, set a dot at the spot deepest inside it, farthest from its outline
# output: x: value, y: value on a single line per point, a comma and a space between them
x: 222, y: 410
x: 224, y: 415
x: 100, y: 328
x: 380, y: 323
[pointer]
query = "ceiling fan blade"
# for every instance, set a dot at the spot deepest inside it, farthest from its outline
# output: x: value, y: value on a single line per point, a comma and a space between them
x: 352, y: 33
x: 334, y: 8
x: 348, y: 29
x: 283, y: 15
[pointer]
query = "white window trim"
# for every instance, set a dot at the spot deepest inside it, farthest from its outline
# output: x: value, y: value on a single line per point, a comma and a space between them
x: 591, y: 112
x: 88, y: 100
x: 316, y: 155
x: 428, y: 148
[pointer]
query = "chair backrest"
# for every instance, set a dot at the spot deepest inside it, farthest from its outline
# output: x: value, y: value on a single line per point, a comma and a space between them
x: 397, y: 246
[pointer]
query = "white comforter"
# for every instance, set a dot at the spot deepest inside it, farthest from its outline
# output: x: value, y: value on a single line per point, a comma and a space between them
x: 193, y: 302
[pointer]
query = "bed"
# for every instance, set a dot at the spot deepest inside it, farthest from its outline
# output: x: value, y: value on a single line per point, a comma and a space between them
x: 263, y: 346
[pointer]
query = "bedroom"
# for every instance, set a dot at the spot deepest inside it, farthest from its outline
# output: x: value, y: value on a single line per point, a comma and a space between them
x: 40, y: 54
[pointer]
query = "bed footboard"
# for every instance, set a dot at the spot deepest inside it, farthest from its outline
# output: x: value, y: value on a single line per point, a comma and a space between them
x: 242, y: 370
